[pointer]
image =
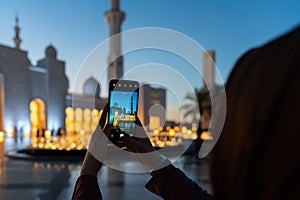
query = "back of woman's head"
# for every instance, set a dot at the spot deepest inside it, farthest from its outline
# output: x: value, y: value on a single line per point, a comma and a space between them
x: 258, y: 154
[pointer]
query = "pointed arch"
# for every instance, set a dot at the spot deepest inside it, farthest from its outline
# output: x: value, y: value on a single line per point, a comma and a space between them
x: 37, y: 116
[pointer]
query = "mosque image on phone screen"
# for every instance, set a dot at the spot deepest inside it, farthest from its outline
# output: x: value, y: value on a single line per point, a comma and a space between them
x: 123, y: 109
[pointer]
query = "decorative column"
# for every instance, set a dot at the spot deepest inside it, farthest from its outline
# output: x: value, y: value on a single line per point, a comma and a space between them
x: 114, y: 18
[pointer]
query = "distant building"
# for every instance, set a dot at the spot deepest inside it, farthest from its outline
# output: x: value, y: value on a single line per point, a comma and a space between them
x: 152, y: 107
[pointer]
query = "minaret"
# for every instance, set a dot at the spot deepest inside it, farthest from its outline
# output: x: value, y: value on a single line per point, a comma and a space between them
x: 209, y: 69
x: 131, y: 105
x: 114, y: 18
x: 17, y: 39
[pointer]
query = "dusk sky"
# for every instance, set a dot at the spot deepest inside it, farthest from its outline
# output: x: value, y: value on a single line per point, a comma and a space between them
x: 74, y: 28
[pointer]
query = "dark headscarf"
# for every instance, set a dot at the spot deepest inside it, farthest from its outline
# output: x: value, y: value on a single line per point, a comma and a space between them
x: 258, y: 154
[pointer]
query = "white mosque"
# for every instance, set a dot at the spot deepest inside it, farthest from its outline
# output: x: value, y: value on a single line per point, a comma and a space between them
x: 36, y: 98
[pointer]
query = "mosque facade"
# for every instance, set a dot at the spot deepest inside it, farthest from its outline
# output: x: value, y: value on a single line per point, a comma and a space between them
x: 35, y: 97
x: 30, y: 93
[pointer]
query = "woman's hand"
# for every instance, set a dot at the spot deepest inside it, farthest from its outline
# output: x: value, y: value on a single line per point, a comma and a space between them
x: 142, y: 149
x: 139, y: 142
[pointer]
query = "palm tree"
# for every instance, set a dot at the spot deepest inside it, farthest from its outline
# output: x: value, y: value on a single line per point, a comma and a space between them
x: 195, y: 101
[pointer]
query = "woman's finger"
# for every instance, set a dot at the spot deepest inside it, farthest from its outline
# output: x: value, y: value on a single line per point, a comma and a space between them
x: 103, y: 117
x: 137, y: 145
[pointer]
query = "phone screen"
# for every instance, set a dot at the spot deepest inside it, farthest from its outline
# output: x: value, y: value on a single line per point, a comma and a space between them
x: 123, y: 104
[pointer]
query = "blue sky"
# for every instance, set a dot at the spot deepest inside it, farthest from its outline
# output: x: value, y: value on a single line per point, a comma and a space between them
x: 75, y: 27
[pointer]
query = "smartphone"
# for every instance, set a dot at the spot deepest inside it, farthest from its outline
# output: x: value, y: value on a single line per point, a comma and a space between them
x: 123, y: 105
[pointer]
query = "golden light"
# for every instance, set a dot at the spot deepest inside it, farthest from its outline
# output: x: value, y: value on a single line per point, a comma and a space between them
x: 47, y: 134
x: 10, y: 133
x: 95, y: 113
x: 205, y: 135
x: 168, y: 128
x: 80, y: 122
x: 37, y: 114
x: 184, y: 129
x: 26, y: 133
x: 176, y: 128
x: 78, y: 118
x: 81, y: 146
x: 73, y: 145
x: 1, y: 136
x: 82, y: 132
x: 34, y: 132
x: 171, y: 132
x: 69, y: 111
x: 194, y: 136
x: 69, y: 120
x: 160, y: 143
x: 115, y: 122
x: 194, y: 129
x: 87, y: 113
x: 94, y: 119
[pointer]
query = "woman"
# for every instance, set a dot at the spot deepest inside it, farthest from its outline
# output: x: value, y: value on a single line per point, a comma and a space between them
x: 257, y: 155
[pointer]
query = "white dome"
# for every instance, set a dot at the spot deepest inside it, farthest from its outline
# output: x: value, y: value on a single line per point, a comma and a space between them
x: 91, y: 87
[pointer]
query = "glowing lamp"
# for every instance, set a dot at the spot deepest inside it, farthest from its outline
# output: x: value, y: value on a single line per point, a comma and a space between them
x: 10, y: 133
x: 171, y: 132
x: 206, y: 136
x: 47, y: 134
x: 1, y: 136
x: 176, y: 128
x: 184, y: 129
x: 26, y: 134
x: 168, y: 128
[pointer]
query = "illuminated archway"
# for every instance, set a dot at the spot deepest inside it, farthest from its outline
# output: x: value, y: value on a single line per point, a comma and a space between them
x: 69, y: 120
x: 85, y: 120
x: 37, y: 116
